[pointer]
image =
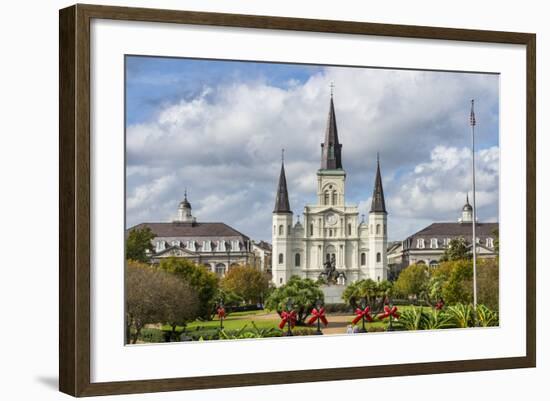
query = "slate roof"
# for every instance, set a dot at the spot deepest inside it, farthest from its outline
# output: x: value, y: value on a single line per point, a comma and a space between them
x: 177, y: 229
x: 282, y: 205
x: 378, y: 203
x: 331, y: 155
x: 451, y: 230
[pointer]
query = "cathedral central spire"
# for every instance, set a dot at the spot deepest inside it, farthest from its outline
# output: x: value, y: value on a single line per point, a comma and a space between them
x: 331, y: 149
x: 378, y: 203
x: 282, y: 204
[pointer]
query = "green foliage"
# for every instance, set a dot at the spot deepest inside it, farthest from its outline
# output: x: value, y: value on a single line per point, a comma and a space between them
x: 139, y: 243
x: 457, y: 250
x: 413, y: 281
x: 303, y: 292
x: 202, y: 280
x: 368, y: 289
x: 459, y: 286
x: 436, y: 319
x: 229, y: 298
x: 486, y: 317
x: 461, y: 315
x: 487, y: 282
x: 247, y: 282
x: 411, y: 319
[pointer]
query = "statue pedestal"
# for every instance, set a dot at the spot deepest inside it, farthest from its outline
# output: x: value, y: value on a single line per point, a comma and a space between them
x: 333, y: 293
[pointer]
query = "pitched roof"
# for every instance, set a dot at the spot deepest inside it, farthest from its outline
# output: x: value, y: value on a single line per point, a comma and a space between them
x: 177, y: 229
x: 456, y: 229
x: 282, y: 204
x: 331, y: 155
x: 378, y: 203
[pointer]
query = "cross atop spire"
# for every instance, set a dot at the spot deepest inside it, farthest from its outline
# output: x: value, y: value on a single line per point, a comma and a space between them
x: 282, y: 204
x: 378, y: 203
x: 331, y: 149
x: 331, y: 89
x: 472, y: 115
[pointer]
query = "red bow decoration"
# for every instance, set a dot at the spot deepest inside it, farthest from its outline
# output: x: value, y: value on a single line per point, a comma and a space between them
x: 389, y: 312
x: 318, y: 315
x: 221, y: 312
x: 287, y: 317
x: 360, y: 313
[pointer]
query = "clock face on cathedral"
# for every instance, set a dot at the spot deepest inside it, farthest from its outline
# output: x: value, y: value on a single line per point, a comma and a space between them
x: 331, y: 219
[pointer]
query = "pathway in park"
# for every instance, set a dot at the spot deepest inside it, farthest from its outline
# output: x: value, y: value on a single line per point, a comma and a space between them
x: 337, y: 323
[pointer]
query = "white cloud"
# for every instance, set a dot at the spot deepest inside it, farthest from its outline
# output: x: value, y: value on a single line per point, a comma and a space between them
x: 224, y: 147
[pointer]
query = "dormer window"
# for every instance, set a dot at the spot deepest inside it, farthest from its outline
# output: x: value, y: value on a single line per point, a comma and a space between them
x: 207, y: 246
x: 489, y: 242
x: 221, y: 246
x: 235, y: 246
x: 161, y: 245
x: 175, y: 243
x: 420, y: 243
x: 433, y: 243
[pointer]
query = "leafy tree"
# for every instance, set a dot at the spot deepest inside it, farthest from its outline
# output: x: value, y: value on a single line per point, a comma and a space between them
x: 179, y: 302
x: 457, y: 249
x: 229, y: 298
x: 413, y: 280
x: 487, y: 282
x: 138, y: 244
x: 155, y: 296
x: 303, y: 292
x: 202, y: 280
x: 459, y: 286
x: 247, y: 282
x: 368, y: 289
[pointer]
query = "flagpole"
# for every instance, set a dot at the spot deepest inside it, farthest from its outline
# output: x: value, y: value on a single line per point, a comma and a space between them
x: 474, y: 239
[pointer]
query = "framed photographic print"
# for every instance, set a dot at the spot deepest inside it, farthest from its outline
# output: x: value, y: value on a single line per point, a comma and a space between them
x: 357, y: 197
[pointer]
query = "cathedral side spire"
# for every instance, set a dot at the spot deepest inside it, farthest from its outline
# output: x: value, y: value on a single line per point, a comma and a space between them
x: 378, y: 203
x: 331, y: 149
x: 282, y: 204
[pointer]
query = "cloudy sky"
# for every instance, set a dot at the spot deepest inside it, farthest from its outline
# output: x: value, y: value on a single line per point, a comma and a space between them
x: 217, y: 128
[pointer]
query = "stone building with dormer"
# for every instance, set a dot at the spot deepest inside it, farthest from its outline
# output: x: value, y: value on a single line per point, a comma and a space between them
x: 215, y: 245
x: 428, y: 245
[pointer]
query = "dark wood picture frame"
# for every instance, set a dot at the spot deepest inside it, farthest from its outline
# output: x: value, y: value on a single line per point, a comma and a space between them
x: 74, y: 199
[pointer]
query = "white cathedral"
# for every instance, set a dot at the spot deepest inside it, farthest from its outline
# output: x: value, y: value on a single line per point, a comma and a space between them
x: 331, y: 230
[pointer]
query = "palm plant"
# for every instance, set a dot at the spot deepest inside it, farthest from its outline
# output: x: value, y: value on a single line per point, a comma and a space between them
x: 461, y: 315
x: 486, y: 317
x: 411, y: 319
x: 436, y: 319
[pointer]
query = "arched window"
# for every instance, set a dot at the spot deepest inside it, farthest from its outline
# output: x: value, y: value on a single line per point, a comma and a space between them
x: 311, y: 229
x: 363, y: 259
x: 420, y: 262
x: 274, y: 229
x: 220, y: 269
x: 349, y: 228
x: 288, y: 231
x: 434, y: 263
x: 327, y: 197
x: 378, y: 257
x: 334, y: 197
x: 281, y: 229
x: 280, y: 258
x: 297, y: 260
x: 378, y: 229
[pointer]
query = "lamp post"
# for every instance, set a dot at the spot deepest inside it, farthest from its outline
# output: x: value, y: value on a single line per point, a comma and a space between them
x: 289, y: 321
x: 363, y: 306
